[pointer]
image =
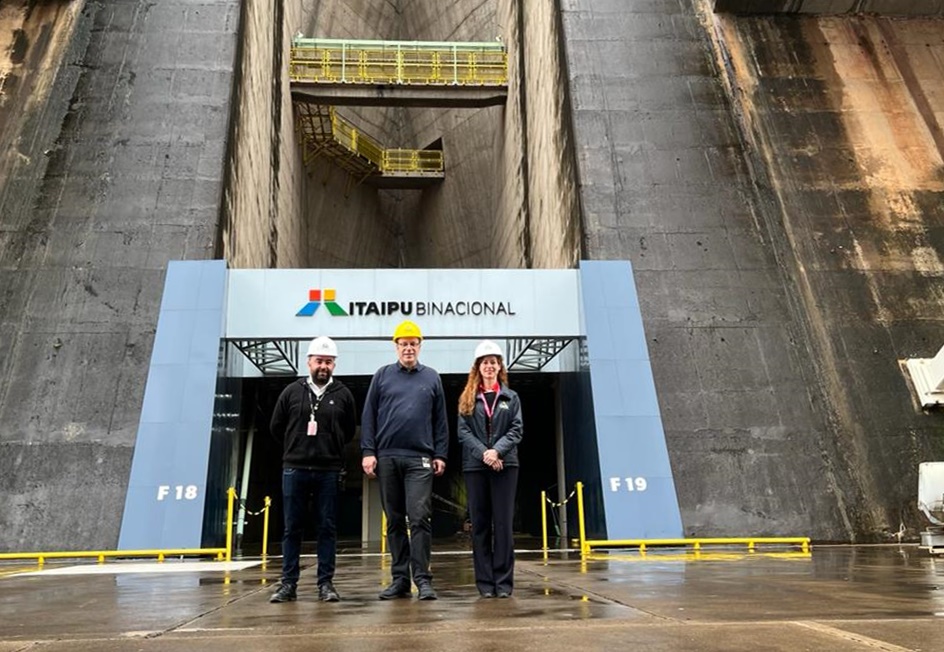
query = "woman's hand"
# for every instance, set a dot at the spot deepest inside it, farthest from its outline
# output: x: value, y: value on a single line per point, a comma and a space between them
x: 491, y: 458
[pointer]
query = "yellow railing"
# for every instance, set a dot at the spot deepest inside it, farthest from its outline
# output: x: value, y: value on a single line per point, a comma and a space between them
x: 356, y: 140
x: 101, y: 555
x: 220, y: 554
x: 696, y: 544
x: 412, y: 160
x: 587, y: 545
x: 398, y: 62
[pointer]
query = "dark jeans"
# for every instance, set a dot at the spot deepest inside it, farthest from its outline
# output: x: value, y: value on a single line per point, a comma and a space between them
x: 492, y: 510
x: 406, y: 490
x: 297, y: 486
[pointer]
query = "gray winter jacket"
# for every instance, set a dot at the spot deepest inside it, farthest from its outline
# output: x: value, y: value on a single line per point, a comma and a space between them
x: 506, y: 431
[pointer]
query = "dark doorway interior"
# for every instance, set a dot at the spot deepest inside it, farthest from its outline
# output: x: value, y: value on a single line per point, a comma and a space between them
x: 537, y: 454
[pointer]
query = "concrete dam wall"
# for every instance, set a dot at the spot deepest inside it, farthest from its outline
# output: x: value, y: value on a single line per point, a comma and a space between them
x: 775, y: 181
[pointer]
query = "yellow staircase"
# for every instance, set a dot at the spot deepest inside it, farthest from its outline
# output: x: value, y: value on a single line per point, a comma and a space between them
x: 325, y: 133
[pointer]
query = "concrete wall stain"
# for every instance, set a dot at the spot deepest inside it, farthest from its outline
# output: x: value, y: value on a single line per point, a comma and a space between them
x: 862, y: 152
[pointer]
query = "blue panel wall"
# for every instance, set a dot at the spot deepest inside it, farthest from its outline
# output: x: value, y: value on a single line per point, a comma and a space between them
x: 167, y: 489
x: 635, y: 475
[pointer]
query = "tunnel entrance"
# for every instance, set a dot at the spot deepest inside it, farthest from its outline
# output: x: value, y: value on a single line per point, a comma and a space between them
x: 228, y: 340
x: 537, y: 452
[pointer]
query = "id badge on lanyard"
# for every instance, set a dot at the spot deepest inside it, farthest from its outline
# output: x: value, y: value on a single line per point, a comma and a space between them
x: 313, y: 405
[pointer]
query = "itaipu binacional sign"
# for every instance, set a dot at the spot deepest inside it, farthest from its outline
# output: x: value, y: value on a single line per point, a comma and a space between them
x: 368, y: 304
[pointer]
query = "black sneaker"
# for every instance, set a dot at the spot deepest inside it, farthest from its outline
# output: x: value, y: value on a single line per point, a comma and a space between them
x: 327, y: 593
x: 397, y: 589
x: 286, y: 593
x: 426, y: 591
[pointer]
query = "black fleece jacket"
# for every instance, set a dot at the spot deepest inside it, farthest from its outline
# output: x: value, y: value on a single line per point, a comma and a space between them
x: 336, y: 419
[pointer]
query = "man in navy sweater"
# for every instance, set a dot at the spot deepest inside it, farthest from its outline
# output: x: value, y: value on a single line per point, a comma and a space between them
x: 314, y: 419
x: 404, y: 441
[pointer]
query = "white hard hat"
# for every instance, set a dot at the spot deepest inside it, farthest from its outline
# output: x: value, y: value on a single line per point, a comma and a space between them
x: 323, y: 346
x: 487, y: 347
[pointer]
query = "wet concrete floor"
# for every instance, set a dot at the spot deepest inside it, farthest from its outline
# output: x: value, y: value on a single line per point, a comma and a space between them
x: 838, y: 598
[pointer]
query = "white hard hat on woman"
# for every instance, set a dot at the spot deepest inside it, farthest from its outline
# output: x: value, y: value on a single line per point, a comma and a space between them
x: 487, y: 347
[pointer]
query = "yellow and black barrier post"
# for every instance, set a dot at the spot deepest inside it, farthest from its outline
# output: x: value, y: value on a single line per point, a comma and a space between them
x: 265, y: 528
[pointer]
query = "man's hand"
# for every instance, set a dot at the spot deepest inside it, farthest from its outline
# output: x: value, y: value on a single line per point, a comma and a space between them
x: 369, y: 464
x: 439, y: 467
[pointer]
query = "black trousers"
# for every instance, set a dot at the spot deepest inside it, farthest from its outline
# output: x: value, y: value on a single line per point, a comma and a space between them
x: 492, y: 510
x: 406, y: 491
x: 297, y: 485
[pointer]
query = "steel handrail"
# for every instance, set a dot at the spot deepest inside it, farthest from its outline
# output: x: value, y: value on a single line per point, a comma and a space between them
x: 398, y: 62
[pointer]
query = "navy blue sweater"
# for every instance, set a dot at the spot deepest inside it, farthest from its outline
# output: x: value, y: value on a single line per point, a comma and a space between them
x: 405, y: 414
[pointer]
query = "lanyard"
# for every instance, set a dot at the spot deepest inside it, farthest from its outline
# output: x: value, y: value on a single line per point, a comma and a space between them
x: 489, y: 409
x: 313, y: 404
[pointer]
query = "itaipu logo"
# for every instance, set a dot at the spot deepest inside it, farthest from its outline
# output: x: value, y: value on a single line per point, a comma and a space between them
x: 315, y: 300
x: 327, y: 296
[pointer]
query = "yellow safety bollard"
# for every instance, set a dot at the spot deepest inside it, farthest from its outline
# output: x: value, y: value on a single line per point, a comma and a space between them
x: 584, y: 549
x: 230, y: 496
x: 265, y: 527
x: 544, y: 523
x: 383, y: 533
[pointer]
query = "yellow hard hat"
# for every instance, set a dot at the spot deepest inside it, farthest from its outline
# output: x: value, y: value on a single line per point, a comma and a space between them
x: 407, y: 329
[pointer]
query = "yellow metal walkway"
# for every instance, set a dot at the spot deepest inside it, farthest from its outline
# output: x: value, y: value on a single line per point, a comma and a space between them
x: 325, y: 133
x: 325, y: 73
x: 398, y: 73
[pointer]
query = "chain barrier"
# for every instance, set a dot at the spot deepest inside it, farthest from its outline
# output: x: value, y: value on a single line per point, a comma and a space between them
x: 545, y: 501
x: 456, y: 506
x: 561, y: 503
x: 247, y: 513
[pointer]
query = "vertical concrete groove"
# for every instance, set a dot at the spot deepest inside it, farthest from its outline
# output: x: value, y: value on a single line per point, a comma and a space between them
x: 278, y: 31
x: 231, y: 150
x: 568, y: 129
x: 526, y: 236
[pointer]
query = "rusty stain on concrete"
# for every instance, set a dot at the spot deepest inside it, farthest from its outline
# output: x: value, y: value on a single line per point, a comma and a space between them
x: 33, y: 37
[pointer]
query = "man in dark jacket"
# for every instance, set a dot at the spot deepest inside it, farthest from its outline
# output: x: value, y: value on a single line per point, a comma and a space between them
x: 314, y: 419
x: 404, y: 442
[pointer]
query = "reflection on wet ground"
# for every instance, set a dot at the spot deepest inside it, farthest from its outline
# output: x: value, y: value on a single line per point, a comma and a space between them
x: 837, y: 598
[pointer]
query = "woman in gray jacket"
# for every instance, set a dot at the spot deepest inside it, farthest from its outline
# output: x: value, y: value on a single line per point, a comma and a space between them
x: 490, y: 429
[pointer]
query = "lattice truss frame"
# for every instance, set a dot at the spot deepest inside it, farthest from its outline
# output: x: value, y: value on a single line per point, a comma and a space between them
x: 271, y: 357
